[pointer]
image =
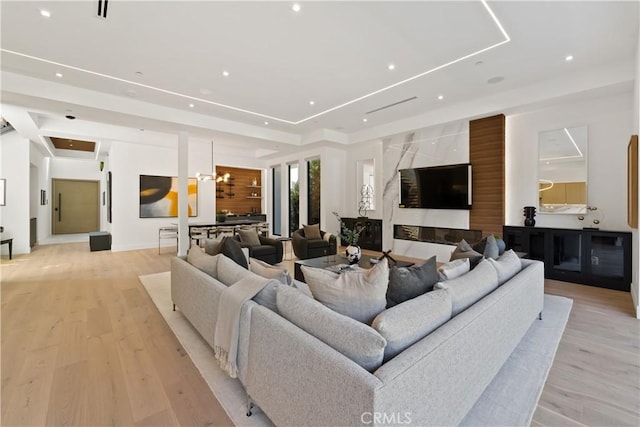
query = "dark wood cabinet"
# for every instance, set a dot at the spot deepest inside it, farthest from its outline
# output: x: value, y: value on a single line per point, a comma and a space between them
x: 371, y: 236
x: 587, y: 256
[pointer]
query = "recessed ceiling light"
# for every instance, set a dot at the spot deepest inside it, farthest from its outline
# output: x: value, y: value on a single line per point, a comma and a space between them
x: 266, y: 123
x: 45, y: 13
x: 312, y: 103
x: 440, y: 97
x: 296, y: 7
x: 478, y: 63
x: 70, y: 145
x: 225, y: 73
x: 59, y: 75
x: 391, y: 67
x: 365, y: 120
x: 494, y: 80
x: 139, y: 73
x: 191, y: 105
x: 568, y: 58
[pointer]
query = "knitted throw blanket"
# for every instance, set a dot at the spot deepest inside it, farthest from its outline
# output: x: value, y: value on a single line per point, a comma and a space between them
x: 227, y: 331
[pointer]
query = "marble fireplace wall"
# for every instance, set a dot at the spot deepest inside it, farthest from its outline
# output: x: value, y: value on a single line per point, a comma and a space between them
x: 433, y: 146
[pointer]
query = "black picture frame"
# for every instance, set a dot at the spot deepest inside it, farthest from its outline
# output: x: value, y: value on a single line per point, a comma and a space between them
x: 43, y: 197
x: 109, y: 196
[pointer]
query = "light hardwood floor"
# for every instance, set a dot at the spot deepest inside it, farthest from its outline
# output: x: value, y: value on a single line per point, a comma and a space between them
x: 83, y: 345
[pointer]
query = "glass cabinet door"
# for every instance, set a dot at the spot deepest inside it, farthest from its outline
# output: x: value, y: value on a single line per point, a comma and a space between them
x: 567, y: 252
x: 607, y: 255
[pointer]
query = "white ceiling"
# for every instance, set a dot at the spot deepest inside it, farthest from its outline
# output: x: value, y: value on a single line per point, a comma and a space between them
x: 142, y: 66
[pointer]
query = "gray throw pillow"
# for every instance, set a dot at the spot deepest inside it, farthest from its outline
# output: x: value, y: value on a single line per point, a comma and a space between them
x: 203, y: 261
x: 360, y: 294
x: 466, y: 290
x: 230, y: 248
x: 488, y: 247
x: 507, y: 266
x: 409, y: 322
x: 312, y: 231
x: 464, y: 250
x: 261, y: 268
x: 358, y: 342
x: 229, y: 273
x: 453, y: 269
x: 409, y: 282
x: 249, y: 237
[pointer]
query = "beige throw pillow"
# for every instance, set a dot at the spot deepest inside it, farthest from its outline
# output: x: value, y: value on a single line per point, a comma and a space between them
x: 249, y: 237
x: 360, y: 294
x: 312, y: 231
x: 203, y: 261
x: 261, y: 268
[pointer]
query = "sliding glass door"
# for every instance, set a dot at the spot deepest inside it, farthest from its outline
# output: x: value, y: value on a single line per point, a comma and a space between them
x: 276, y: 180
x: 294, y: 198
x: 313, y: 191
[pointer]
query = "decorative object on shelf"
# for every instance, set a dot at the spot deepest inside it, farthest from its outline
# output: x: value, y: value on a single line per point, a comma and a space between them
x: 349, y: 237
x: 529, y: 215
x: 366, y: 199
x: 254, y: 182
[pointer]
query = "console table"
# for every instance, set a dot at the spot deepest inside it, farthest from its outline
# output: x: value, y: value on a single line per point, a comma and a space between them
x: 371, y: 236
x: 10, y: 243
x: 586, y: 256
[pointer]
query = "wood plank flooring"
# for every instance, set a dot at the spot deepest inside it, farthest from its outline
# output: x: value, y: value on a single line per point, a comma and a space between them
x: 83, y: 345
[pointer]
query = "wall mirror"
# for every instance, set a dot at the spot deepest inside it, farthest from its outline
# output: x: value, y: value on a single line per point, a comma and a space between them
x: 562, y: 170
x: 365, y: 181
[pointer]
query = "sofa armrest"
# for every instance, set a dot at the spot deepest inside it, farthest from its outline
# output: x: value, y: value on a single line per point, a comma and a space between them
x: 299, y: 244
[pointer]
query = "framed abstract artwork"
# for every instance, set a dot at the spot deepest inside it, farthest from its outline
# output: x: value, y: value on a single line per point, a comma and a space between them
x: 159, y: 196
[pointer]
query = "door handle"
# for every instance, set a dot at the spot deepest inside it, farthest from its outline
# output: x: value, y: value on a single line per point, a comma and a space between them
x: 59, y: 207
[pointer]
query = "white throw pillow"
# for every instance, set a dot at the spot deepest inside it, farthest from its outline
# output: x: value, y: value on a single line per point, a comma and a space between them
x: 360, y: 294
x: 203, y: 261
x: 469, y: 288
x: 507, y: 266
x: 261, y: 268
x: 453, y: 269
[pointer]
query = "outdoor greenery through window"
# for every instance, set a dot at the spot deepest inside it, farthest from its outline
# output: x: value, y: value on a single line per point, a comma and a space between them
x: 294, y: 199
x: 277, y: 200
x: 313, y: 183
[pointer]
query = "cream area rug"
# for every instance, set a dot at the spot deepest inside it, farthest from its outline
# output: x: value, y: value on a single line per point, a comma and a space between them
x: 510, y: 399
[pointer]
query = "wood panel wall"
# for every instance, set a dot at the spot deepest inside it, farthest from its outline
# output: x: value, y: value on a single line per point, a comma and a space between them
x: 242, y: 202
x: 486, y: 154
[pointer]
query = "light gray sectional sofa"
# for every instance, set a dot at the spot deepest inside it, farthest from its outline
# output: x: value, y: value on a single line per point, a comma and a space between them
x: 296, y: 378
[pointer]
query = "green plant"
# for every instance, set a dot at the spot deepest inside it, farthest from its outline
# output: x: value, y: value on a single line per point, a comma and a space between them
x: 349, y: 236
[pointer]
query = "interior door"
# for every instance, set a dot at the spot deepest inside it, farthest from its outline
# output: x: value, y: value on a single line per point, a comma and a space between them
x: 76, y: 206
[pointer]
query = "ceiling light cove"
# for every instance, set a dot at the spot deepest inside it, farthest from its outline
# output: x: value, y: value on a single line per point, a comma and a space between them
x: 186, y: 98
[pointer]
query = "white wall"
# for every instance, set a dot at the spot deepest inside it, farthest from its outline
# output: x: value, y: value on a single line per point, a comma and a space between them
x: 14, y: 167
x: 609, y: 127
x: 40, y: 182
x: 635, y: 286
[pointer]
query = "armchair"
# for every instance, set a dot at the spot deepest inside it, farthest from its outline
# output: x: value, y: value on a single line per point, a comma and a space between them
x: 269, y: 250
x: 305, y: 248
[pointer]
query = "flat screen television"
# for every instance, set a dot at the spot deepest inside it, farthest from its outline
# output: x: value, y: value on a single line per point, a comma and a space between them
x: 439, y: 187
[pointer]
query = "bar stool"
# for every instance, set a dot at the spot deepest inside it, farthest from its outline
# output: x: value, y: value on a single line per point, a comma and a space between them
x: 227, y: 230
x: 199, y: 234
x: 170, y: 232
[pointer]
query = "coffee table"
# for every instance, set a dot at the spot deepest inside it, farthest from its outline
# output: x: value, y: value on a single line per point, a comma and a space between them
x: 333, y: 260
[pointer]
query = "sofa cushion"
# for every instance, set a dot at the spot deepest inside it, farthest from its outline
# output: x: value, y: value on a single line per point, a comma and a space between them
x: 358, y: 342
x: 249, y: 237
x: 469, y: 288
x: 261, y: 268
x: 409, y: 322
x: 203, y: 261
x: 464, y: 250
x: 409, y: 282
x: 312, y: 231
x: 453, y: 269
x: 488, y: 247
x: 228, y: 247
x: 302, y: 287
x: 360, y: 294
x: 507, y: 266
x: 229, y: 273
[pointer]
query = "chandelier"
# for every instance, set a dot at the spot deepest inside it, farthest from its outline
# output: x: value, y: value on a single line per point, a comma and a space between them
x: 212, y: 176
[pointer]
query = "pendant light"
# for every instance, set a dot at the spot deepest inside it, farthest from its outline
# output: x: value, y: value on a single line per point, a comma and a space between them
x: 204, y: 176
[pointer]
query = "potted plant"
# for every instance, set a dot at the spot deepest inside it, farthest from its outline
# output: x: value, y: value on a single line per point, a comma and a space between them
x: 349, y: 237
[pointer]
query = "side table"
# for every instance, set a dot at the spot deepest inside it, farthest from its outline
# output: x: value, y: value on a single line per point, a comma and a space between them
x: 284, y: 241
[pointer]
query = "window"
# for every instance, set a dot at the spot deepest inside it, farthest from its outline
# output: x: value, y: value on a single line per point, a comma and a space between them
x: 313, y: 191
x: 276, y: 181
x: 294, y: 199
